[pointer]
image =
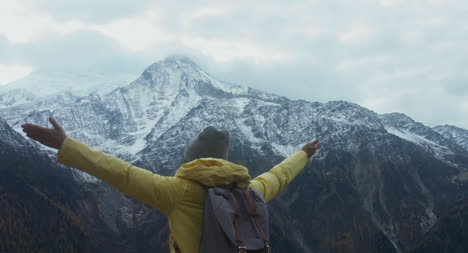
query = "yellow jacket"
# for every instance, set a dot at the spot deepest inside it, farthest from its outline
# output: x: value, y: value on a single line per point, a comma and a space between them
x: 179, y: 197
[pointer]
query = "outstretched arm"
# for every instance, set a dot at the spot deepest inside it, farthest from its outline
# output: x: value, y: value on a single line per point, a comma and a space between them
x: 271, y: 183
x: 155, y: 190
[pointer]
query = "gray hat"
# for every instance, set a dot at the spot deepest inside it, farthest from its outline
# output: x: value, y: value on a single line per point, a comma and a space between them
x: 209, y: 143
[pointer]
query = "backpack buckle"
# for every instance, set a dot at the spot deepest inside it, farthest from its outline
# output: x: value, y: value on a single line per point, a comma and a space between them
x: 242, y: 249
x: 267, y: 249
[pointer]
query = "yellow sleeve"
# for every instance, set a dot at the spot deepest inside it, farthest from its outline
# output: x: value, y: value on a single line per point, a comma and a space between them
x: 271, y: 183
x: 155, y: 190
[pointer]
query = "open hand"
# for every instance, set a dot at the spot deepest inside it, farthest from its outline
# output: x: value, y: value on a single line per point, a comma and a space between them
x: 51, y: 137
x: 311, y: 147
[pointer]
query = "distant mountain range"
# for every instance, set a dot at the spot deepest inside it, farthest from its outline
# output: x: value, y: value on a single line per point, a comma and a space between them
x: 380, y: 183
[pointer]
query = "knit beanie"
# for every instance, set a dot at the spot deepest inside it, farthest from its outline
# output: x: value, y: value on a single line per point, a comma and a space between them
x: 209, y: 143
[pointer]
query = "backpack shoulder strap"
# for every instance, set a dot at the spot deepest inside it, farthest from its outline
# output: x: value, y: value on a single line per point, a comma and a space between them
x: 240, y: 242
x: 255, y: 217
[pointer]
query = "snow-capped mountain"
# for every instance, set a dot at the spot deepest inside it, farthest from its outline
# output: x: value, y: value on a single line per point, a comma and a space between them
x: 135, y: 109
x: 39, y: 85
x: 373, y: 187
x: 453, y: 133
x: 132, y: 118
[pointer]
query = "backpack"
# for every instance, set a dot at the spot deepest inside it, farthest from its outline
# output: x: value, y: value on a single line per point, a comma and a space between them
x: 235, y: 221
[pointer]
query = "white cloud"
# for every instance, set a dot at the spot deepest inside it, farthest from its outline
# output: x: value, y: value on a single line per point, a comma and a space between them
x: 69, y: 27
x: 438, y: 2
x: 222, y: 50
x: 464, y: 106
x: 410, y: 37
x: 418, y: 3
x: 421, y: 73
x: 20, y: 22
x: 136, y: 33
x: 435, y: 21
x: 382, y: 53
x: 310, y: 30
x: 13, y: 72
x: 356, y: 35
x: 209, y: 11
x: 362, y: 63
x: 389, y: 3
x: 379, y: 103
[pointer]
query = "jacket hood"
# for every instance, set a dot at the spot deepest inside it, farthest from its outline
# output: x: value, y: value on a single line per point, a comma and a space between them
x: 214, y: 172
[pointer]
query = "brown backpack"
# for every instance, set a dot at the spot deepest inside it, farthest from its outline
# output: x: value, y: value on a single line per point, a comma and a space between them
x: 235, y: 221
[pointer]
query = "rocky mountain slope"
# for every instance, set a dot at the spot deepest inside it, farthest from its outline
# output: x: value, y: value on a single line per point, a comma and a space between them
x: 379, y: 183
x: 35, y: 200
x: 44, y: 208
x: 449, y: 233
x: 455, y: 134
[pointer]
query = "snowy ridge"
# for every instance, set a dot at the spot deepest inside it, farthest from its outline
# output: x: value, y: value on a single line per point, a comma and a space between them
x: 16, y: 97
x: 407, y: 129
x: 456, y: 134
x: 438, y: 150
x: 411, y: 137
x: 80, y: 84
x: 128, y: 120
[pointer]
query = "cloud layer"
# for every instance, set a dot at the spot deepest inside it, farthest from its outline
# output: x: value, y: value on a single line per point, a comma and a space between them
x: 387, y: 55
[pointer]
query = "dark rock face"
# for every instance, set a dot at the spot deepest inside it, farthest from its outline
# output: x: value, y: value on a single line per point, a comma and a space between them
x: 450, y: 232
x: 36, y: 201
x: 380, y: 183
x: 43, y: 208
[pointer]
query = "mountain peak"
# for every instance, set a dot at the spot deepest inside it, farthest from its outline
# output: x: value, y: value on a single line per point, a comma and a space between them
x: 181, y: 72
x: 180, y: 59
x: 173, y: 65
x: 400, y: 119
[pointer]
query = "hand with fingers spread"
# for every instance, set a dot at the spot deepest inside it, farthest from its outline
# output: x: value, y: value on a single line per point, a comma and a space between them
x: 51, y: 137
x: 311, y: 147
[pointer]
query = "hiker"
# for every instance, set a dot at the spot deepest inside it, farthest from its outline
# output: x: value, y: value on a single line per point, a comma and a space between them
x: 180, y: 197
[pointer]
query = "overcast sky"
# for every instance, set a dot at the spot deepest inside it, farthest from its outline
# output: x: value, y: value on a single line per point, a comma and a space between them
x: 405, y: 56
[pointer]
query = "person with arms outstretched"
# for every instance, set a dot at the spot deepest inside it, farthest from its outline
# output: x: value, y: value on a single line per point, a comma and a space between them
x: 180, y: 197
